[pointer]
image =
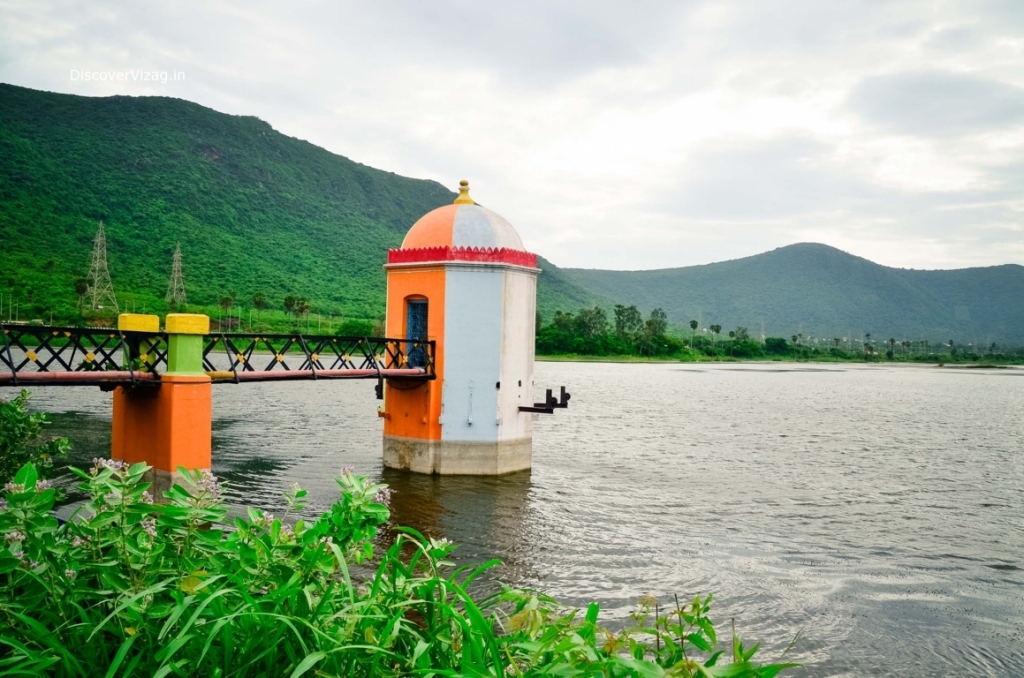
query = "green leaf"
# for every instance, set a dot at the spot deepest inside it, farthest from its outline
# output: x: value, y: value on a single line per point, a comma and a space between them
x: 714, y: 658
x: 592, y: 611
x: 641, y: 668
x: 774, y: 669
x: 697, y: 640
x: 121, y: 653
x: 421, y: 647
x: 27, y: 476
x: 307, y: 663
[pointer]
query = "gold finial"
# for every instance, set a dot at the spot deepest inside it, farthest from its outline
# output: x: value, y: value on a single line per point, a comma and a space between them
x: 464, y: 198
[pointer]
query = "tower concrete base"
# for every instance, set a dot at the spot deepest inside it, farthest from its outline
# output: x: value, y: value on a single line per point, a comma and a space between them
x: 458, y: 458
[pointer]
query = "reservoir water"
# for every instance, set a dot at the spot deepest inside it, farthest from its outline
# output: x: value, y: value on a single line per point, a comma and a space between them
x: 876, y: 510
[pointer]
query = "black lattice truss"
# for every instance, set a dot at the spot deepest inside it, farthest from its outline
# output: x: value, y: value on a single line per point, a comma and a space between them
x: 39, y: 354
x: 34, y: 348
x: 288, y: 352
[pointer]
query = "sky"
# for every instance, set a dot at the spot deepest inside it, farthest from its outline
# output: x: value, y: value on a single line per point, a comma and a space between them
x: 612, y: 135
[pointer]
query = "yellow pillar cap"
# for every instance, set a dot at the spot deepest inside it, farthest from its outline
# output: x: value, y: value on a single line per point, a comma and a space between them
x: 187, y: 323
x: 464, y: 198
x: 138, y: 322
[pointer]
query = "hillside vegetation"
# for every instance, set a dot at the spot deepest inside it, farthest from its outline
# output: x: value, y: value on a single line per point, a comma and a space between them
x: 253, y: 209
x: 823, y: 292
x: 256, y: 211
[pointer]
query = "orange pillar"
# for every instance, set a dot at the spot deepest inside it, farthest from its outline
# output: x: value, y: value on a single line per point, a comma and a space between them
x: 168, y: 425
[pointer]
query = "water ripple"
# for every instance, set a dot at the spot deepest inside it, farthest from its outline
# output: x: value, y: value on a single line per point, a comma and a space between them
x: 877, y: 510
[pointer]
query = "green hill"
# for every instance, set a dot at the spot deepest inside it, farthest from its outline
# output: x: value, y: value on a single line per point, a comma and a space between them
x: 824, y: 292
x: 258, y: 211
x: 253, y: 209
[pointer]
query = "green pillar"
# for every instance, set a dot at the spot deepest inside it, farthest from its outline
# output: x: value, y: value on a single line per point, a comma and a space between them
x: 185, y: 332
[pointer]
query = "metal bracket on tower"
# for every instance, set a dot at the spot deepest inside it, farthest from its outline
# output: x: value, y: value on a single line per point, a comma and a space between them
x: 550, y: 404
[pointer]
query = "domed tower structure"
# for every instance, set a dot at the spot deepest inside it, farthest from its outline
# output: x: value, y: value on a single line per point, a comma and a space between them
x: 462, y: 278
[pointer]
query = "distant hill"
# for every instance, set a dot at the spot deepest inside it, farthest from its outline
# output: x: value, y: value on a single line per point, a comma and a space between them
x: 258, y: 211
x: 825, y: 292
x: 254, y: 210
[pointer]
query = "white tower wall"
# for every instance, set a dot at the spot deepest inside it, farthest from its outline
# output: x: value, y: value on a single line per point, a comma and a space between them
x: 473, y: 327
x: 517, y: 354
x: 490, y: 313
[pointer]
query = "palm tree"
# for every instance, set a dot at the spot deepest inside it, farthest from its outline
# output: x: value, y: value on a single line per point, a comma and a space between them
x: 837, y: 340
x: 226, y: 303
x: 259, y: 300
x: 302, y: 308
x: 892, y: 348
x: 289, y: 304
x: 715, y: 329
x: 693, y: 332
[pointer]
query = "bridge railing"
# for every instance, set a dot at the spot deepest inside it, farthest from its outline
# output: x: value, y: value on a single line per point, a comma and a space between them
x: 28, y: 349
x: 85, y: 355
x: 250, y: 355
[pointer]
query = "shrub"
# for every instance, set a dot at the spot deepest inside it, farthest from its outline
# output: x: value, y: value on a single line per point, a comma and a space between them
x: 746, y: 348
x: 19, y: 435
x: 132, y: 588
x: 356, y: 328
x: 776, y: 346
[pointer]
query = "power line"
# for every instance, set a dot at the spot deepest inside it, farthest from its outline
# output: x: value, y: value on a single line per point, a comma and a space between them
x: 176, y: 288
x: 101, y: 289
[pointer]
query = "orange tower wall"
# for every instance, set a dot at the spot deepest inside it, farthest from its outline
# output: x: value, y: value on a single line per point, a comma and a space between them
x: 167, y: 426
x: 414, y: 413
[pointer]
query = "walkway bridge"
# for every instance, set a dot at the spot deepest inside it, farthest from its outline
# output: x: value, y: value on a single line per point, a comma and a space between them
x: 161, y: 378
x: 34, y: 355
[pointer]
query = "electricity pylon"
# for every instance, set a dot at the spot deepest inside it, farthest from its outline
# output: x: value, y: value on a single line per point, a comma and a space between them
x: 176, y: 289
x: 101, y: 289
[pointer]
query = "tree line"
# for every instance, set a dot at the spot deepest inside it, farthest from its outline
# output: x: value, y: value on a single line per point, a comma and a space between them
x: 589, y: 331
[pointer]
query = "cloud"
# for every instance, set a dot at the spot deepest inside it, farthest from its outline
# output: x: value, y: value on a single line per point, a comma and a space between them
x: 611, y: 135
x: 937, y: 103
x: 778, y: 179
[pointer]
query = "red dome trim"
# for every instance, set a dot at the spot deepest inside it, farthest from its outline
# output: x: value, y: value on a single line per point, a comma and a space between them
x: 491, y: 255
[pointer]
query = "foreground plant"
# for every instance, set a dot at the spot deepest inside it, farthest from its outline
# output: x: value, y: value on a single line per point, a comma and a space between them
x: 19, y: 439
x: 129, y: 587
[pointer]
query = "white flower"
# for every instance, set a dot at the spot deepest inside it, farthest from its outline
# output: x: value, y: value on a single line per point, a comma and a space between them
x: 383, y: 496
x: 113, y: 464
x: 208, y: 484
